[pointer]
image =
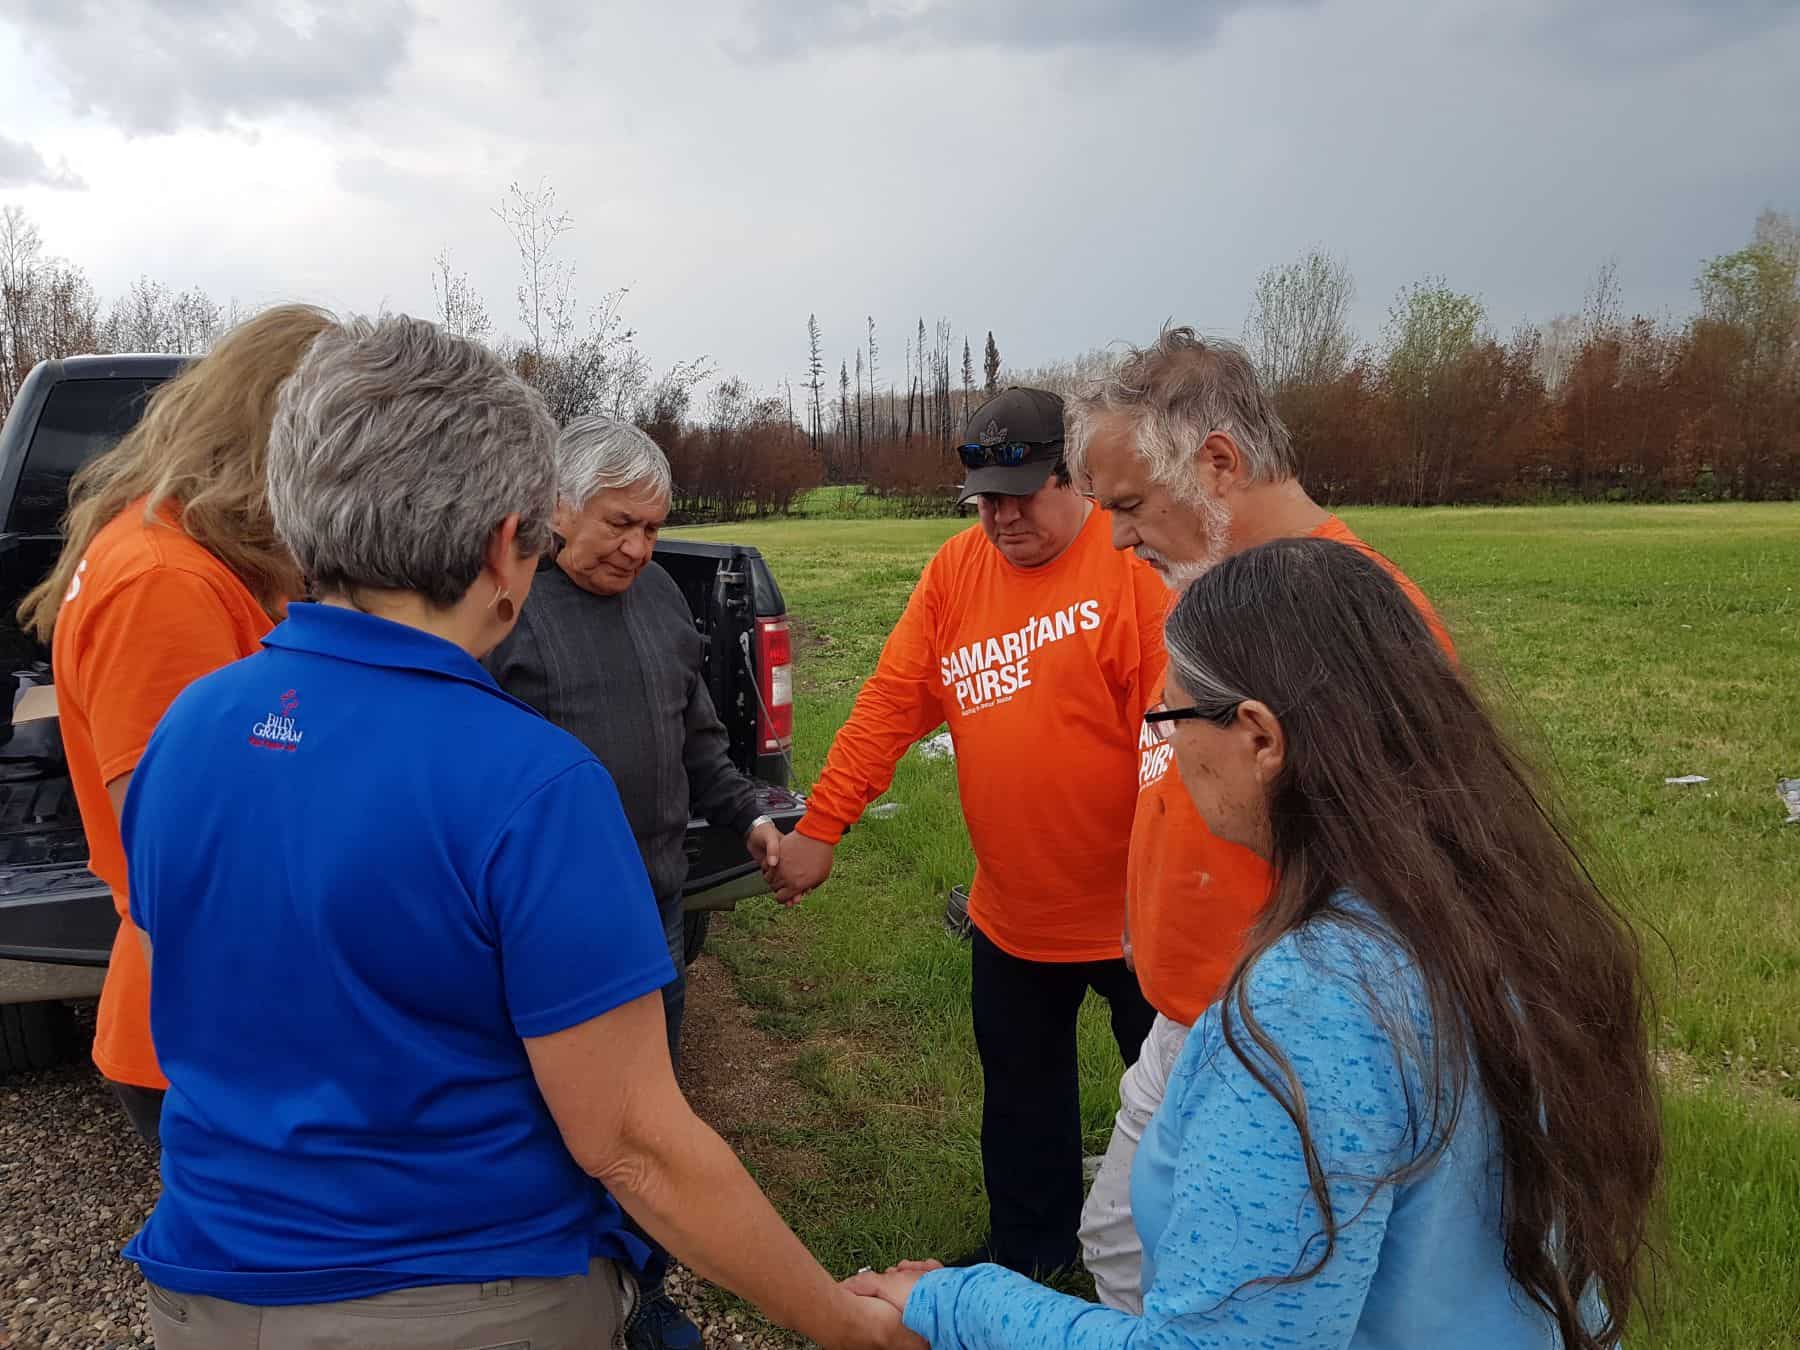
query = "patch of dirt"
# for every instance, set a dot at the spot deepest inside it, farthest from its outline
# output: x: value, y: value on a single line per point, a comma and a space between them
x: 733, y: 1071
x: 806, y: 636
x: 1765, y: 1086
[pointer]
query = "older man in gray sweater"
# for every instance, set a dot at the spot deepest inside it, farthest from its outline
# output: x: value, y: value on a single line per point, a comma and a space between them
x: 606, y: 648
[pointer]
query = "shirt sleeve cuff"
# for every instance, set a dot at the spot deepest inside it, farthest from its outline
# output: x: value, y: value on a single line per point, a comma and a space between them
x: 746, y: 815
x: 823, y: 828
x: 596, y: 1003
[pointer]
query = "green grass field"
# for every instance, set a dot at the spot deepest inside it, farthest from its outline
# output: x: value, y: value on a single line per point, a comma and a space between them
x: 1627, y: 644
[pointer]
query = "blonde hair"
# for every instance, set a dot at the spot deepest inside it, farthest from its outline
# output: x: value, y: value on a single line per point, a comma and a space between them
x: 203, y: 446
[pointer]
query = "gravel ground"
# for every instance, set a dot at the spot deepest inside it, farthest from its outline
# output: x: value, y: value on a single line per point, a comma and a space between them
x: 76, y: 1183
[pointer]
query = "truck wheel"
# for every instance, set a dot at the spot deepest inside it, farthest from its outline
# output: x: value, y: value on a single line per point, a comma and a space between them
x: 697, y: 921
x: 35, y: 1036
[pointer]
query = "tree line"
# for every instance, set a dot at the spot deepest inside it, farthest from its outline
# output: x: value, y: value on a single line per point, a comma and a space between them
x: 1437, y: 409
x: 1595, y: 404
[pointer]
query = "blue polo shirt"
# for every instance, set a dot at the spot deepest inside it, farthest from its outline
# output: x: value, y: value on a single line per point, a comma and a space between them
x: 366, y: 874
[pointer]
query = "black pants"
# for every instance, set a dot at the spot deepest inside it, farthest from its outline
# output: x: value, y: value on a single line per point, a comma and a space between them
x: 144, y: 1108
x: 1025, y: 1015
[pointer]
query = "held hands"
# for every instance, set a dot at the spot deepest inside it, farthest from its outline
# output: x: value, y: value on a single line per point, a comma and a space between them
x: 764, y: 843
x: 871, y: 1323
x: 802, y: 866
x: 890, y: 1292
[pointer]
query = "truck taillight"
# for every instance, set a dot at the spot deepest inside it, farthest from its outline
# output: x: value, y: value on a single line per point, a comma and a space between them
x: 775, y: 671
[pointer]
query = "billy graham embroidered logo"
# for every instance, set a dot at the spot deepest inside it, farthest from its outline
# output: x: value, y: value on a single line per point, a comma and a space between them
x: 991, y: 671
x: 277, y: 730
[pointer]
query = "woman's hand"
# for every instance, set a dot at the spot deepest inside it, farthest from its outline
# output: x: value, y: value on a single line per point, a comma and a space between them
x: 874, y: 1322
x: 896, y: 1286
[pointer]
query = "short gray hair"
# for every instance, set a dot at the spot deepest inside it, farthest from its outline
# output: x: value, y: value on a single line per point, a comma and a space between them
x: 396, y: 450
x: 1177, y: 392
x: 597, y: 452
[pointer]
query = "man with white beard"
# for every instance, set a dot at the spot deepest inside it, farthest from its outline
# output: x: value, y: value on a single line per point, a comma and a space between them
x: 1185, y: 450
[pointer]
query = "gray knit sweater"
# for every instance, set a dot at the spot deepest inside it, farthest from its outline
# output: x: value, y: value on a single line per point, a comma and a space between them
x: 622, y: 674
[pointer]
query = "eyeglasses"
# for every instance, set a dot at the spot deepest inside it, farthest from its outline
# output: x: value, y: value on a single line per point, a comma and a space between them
x: 1006, y: 455
x: 1162, y: 720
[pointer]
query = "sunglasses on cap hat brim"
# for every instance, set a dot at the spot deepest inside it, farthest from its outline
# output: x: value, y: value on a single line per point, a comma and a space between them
x: 1004, y: 455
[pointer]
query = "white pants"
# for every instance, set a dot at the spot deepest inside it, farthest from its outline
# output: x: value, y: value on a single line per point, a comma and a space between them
x: 1109, y: 1239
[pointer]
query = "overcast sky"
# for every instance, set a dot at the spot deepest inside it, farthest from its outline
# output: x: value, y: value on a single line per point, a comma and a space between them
x: 1064, y: 173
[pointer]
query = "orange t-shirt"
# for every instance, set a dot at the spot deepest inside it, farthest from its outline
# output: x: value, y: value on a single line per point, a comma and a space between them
x: 149, y: 612
x: 1042, y: 675
x: 1193, y: 897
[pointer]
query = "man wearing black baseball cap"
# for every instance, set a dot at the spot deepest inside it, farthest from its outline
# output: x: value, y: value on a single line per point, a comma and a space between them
x: 1039, y: 645
x: 1013, y: 444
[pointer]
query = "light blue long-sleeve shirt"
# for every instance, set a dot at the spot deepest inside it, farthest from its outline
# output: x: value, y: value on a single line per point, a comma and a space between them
x: 1220, y: 1194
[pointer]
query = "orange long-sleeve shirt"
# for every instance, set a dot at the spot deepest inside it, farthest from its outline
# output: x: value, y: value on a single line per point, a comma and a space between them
x: 1043, y: 675
x: 149, y: 612
x: 1193, y: 896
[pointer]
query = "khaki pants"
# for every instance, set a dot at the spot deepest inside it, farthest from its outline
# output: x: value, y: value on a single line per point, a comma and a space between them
x: 1110, y: 1246
x: 580, y: 1312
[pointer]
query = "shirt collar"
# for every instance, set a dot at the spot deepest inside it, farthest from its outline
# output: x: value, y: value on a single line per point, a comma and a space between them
x: 350, y: 635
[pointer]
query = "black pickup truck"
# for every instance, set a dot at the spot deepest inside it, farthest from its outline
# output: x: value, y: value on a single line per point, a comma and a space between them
x: 57, y: 921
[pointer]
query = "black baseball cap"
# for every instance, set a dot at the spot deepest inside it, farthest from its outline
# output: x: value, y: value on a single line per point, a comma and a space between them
x: 1016, y: 416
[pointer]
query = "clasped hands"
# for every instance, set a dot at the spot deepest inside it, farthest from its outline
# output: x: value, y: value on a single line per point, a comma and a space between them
x: 893, y: 1288
x: 792, y: 864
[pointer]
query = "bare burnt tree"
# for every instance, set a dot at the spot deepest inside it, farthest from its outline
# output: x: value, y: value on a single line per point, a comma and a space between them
x: 545, y: 293
x: 150, y: 317
x: 874, y: 372
x: 944, y: 427
x: 460, y: 308
x: 843, y: 426
x: 47, y: 305
x: 580, y: 360
x: 815, y: 381
x: 859, y: 410
x: 968, y: 379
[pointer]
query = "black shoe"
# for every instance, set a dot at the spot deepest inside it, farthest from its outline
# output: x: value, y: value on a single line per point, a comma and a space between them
x: 657, y: 1324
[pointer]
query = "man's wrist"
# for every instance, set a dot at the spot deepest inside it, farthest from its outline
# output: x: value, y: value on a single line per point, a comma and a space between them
x: 758, y: 823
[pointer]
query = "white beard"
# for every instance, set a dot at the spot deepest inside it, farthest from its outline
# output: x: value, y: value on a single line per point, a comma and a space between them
x: 1180, y: 574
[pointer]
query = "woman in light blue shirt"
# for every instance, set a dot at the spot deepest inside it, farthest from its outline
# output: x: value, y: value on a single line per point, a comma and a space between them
x: 1422, y: 1114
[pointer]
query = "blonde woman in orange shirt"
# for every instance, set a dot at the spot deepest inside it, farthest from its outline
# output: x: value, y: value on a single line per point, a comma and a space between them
x: 171, y: 568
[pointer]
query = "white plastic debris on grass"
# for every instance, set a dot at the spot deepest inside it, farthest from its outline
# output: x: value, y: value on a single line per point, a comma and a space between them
x: 1686, y: 780
x: 939, y: 746
x: 1789, y: 788
x: 883, y: 810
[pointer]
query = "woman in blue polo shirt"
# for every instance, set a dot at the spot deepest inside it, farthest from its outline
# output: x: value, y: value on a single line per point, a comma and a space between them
x: 407, y: 964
